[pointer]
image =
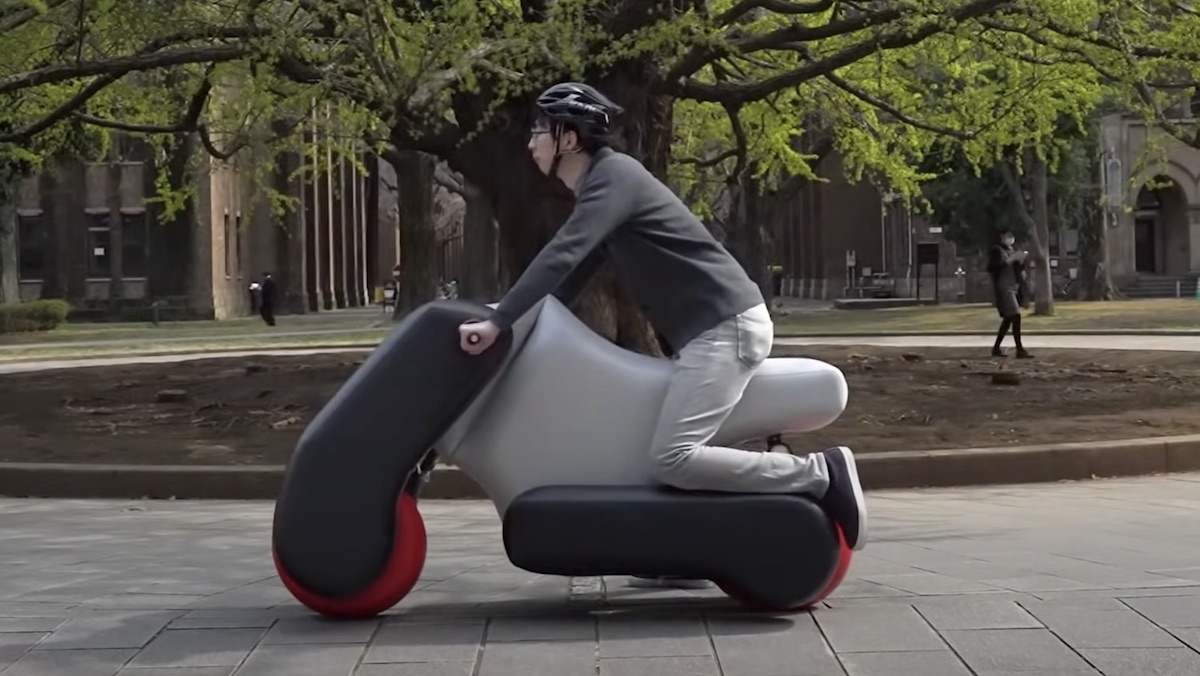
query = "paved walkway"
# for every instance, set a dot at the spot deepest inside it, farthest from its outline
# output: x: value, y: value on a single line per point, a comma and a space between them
x: 1090, y: 342
x: 1056, y: 580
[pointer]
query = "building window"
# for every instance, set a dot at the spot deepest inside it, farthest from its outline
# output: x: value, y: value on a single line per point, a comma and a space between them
x: 238, y: 235
x: 31, y: 245
x: 99, y: 258
x: 228, y: 248
x: 1071, y: 242
x: 135, y: 245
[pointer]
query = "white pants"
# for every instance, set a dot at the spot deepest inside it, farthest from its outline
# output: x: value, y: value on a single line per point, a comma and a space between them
x: 711, y: 374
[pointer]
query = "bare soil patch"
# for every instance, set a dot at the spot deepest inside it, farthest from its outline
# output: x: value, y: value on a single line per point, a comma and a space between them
x: 252, y: 410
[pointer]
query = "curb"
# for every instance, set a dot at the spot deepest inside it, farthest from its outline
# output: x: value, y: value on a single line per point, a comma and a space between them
x: 902, y: 469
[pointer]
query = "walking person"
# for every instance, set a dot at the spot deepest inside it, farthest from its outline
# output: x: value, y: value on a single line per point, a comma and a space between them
x: 266, y: 303
x: 1007, y: 267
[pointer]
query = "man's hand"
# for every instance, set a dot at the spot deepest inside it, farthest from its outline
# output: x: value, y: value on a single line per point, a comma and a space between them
x: 475, y: 337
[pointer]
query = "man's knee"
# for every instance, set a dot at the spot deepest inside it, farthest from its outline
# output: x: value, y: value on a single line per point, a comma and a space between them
x: 668, y: 464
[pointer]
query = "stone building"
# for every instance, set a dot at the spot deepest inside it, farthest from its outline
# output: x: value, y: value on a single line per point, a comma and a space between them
x: 90, y: 233
x: 1154, y: 235
x: 827, y: 225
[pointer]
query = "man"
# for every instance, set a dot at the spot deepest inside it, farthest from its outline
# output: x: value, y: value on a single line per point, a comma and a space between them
x: 695, y: 294
x: 266, y: 304
x: 1007, y: 268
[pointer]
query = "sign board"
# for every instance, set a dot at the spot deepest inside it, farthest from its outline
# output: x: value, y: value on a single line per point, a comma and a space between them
x: 927, y: 253
x: 935, y: 229
x: 851, y: 258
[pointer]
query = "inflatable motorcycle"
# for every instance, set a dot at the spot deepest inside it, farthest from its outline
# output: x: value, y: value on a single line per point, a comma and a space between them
x: 554, y: 423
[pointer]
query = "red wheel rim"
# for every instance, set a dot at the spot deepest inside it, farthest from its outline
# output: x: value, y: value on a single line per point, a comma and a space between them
x: 399, y: 575
x: 845, y: 554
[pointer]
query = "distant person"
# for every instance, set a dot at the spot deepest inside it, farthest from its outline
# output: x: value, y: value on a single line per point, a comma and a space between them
x: 266, y: 302
x: 1007, y: 267
x: 391, y: 289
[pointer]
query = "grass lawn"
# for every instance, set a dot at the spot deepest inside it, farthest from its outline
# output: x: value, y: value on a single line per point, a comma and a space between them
x: 1127, y: 315
x: 357, y: 328
x: 248, y: 327
x: 68, y: 350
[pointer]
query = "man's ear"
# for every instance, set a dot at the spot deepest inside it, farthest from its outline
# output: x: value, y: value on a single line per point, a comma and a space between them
x: 570, y: 141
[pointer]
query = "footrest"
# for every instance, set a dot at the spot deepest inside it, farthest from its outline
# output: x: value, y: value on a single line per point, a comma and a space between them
x: 779, y: 547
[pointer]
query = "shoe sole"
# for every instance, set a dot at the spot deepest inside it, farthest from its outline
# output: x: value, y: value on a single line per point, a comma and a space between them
x: 860, y: 502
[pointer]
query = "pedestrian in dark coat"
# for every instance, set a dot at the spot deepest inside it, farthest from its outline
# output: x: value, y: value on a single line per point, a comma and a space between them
x: 1007, y: 267
x: 266, y: 303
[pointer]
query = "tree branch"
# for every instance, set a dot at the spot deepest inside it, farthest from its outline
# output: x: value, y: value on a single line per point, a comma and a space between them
x: 733, y: 110
x: 872, y: 100
x: 63, y: 111
x: 190, y: 121
x: 708, y: 162
x: 13, y: 18
x: 741, y: 9
x: 895, y: 39
x: 1004, y: 167
x: 446, y: 178
x: 703, y: 55
x: 122, y: 65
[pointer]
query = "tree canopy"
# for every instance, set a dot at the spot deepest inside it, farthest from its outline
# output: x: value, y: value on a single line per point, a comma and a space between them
x: 891, y: 77
x: 716, y: 88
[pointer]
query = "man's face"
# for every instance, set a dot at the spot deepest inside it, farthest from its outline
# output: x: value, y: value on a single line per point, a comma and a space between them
x: 1008, y: 239
x: 542, y: 147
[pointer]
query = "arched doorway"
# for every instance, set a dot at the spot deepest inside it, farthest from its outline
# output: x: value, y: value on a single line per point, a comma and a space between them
x: 1160, y: 229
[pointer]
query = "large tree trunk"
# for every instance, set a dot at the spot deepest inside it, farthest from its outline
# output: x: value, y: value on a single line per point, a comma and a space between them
x: 480, y: 281
x: 746, y: 232
x: 418, y: 237
x: 10, y: 254
x: 1043, y: 294
x: 1095, y: 281
x: 53, y: 269
x: 1035, y: 213
x: 171, y: 266
x: 529, y: 207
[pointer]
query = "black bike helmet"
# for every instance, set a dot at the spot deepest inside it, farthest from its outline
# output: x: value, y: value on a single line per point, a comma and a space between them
x: 581, y: 106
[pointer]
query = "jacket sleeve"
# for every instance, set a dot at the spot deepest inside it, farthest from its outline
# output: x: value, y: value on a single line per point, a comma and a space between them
x: 599, y: 210
x: 997, y: 259
x: 572, y: 286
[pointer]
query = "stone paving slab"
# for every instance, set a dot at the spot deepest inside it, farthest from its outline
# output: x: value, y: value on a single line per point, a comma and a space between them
x: 1071, y: 579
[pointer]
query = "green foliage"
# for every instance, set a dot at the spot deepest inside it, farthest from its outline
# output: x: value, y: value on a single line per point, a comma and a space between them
x: 898, y: 81
x: 37, y: 315
x: 974, y: 205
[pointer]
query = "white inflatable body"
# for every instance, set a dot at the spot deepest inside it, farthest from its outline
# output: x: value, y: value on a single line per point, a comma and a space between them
x: 571, y: 408
x: 554, y: 423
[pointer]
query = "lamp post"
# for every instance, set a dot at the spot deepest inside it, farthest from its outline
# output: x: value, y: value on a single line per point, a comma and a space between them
x: 1114, y: 187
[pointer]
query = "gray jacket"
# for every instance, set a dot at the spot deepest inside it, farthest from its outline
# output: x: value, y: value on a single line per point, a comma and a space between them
x: 683, y: 279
